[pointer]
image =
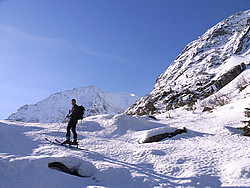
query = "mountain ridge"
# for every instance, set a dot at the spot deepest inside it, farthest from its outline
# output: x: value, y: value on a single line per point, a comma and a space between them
x: 54, y: 108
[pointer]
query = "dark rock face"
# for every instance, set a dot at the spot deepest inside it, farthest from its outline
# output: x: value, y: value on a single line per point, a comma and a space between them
x: 244, y: 42
x: 222, y: 81
x: 229, y: 76
x: 149, y: 108
x: 199, y: 70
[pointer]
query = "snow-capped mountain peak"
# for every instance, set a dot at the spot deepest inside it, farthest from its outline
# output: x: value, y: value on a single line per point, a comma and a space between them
x: 56, y: 106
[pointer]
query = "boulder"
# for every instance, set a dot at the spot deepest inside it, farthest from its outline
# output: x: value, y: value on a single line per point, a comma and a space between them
x: 160, y: 137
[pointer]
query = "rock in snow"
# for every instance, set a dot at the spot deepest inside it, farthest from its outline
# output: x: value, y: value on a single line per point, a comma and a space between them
x: 55, y: 107
x: 205, y: 66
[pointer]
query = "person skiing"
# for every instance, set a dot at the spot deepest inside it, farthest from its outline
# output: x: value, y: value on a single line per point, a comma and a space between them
x: 73, y: 116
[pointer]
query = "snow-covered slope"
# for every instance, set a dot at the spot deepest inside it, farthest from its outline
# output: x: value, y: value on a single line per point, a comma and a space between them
x: 205, y: 66
x: 55, y: 107
x: 211, y: 154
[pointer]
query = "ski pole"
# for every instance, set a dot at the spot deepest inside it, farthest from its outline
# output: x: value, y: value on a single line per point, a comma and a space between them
x: 57, y: 132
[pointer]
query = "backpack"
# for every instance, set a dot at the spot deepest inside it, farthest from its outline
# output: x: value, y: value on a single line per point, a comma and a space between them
x: 81, y: 111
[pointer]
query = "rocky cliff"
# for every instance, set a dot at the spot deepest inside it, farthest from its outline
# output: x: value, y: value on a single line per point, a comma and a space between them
x: 205, y: 66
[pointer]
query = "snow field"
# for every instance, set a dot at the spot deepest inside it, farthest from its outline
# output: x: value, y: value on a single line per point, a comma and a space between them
x: 211, y: 153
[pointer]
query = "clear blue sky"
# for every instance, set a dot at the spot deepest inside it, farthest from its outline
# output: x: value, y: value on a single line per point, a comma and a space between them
x: 48, y: 46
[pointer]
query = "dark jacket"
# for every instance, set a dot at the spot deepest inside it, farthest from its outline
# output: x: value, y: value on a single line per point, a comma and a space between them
x: 74, y: 112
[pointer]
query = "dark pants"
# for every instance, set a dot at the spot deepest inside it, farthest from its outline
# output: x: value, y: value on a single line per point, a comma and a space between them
x: 71, y: 125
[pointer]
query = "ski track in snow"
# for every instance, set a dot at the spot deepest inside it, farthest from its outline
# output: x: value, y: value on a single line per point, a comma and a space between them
x: 212, y: 153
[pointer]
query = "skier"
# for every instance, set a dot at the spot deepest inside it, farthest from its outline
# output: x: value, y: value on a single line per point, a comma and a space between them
x: 73, y: 116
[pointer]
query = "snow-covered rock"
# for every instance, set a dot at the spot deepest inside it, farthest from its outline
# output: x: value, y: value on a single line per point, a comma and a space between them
x: 55, y: 107
x: 205, y: 66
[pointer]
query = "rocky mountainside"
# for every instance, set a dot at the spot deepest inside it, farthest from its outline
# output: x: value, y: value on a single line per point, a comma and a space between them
x: 55, y: 107
x: 204, y: 67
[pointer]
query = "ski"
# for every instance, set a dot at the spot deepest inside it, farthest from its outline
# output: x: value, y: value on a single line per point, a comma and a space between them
x: 58, y: 143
